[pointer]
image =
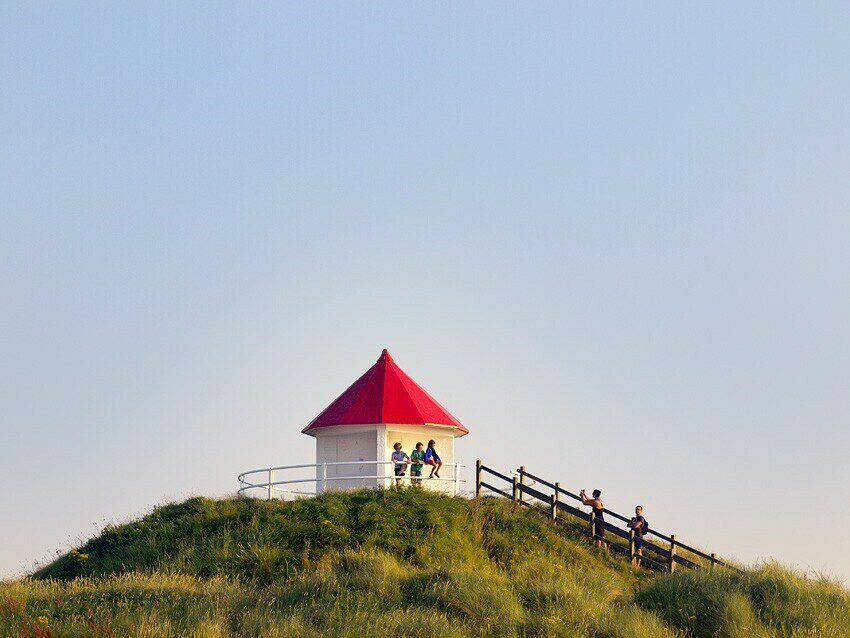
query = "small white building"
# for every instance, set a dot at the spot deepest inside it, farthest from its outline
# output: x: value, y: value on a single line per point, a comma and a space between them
x: 355, y: 434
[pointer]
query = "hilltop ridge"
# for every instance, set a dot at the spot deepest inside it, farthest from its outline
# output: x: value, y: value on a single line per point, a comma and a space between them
x: 386, y: 563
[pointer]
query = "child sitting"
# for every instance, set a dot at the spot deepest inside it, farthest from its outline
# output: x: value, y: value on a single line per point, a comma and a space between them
x: 433, y: 459
x: 417, y: 458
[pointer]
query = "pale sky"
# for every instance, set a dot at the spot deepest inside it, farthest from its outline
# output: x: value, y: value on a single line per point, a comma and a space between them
x: 613, y: 240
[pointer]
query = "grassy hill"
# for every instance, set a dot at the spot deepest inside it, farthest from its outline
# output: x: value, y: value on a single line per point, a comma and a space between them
x: 390, y: 564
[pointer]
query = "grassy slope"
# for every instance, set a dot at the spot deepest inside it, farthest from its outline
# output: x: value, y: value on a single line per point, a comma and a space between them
x: 389, y: 564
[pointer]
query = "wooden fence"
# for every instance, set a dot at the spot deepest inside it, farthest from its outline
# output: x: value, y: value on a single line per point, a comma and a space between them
x: 523, y: 491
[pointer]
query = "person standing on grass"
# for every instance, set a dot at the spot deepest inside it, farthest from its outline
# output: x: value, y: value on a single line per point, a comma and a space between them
x: 599, y: 518
x: 416, y: 467
x: 640, y: 527
x: 400, y: 459
x: 433, y: 459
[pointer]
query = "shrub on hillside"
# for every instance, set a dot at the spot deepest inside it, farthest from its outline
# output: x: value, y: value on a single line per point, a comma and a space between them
x: 767, y: 602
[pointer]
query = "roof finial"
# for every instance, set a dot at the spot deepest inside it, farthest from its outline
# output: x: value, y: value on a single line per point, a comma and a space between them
x: 385, y: 354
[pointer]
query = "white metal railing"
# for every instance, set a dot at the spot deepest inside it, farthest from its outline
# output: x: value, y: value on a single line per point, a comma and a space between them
x: 322, y: 482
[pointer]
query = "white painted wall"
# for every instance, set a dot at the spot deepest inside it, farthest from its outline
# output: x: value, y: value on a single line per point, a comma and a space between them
x: 350, y: 443
x: 409, y: 435
x: 375, y: 443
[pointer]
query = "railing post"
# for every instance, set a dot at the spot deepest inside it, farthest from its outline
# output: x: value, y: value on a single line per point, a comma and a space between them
x: 477, y: 478
x: 457, y: 479
x: 521, y: 471
x: 713, y: 560
x: 671, y: 562
x: 324, y: 476
x: 632, y: 545
x: 593, y: 523
x: 269, y: 496
x: 515, y: 489
x: 555, y: 502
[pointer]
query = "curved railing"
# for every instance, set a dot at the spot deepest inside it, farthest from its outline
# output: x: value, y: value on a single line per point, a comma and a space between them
x: 267, y: 478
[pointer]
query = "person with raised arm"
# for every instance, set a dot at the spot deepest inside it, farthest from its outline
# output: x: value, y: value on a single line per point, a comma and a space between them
x: 599, y: 519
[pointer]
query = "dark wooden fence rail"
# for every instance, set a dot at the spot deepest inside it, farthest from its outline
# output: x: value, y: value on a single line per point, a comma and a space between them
x: 663, y: 558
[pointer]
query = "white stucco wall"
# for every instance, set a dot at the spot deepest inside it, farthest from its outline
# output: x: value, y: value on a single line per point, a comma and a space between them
x: 373, y: 443
x: 349, y: 444
x: 409, y: 435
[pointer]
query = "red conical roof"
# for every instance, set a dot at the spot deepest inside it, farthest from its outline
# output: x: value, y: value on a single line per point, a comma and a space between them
x: 385, y: 394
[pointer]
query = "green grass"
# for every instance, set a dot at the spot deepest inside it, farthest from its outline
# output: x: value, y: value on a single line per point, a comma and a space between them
x: 409, y: 563
x: 770, y: 601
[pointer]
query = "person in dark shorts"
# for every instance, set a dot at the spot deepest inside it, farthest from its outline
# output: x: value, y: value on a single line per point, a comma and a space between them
x: 599, y: 520
x: 417, y: 459
x: 640, y: 526
x: 401, y: 460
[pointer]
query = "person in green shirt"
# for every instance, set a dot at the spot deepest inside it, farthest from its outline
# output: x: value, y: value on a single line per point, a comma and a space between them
x: 417, y: 457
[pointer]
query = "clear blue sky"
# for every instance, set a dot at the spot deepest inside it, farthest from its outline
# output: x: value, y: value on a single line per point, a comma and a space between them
x: 613, y: 240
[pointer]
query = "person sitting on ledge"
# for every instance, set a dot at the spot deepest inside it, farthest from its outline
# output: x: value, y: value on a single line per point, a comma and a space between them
x: 417, y: 458
x: 399, y: 457
x: 433, y: 459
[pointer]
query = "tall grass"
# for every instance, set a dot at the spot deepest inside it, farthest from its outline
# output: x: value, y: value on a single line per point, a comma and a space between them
x: 389, y: 564
x: 769, y: 601
x: 271, y: 540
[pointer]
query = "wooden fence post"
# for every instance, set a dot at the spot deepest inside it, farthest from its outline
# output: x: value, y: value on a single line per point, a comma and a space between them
x: 592, y: 523
x: 477, y: 478
x: 632, y: 545
x: 555, y: 502
x: 521, y: 471
x: 671, y: 562
x: 713, y: 560
x: 515, y: 490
